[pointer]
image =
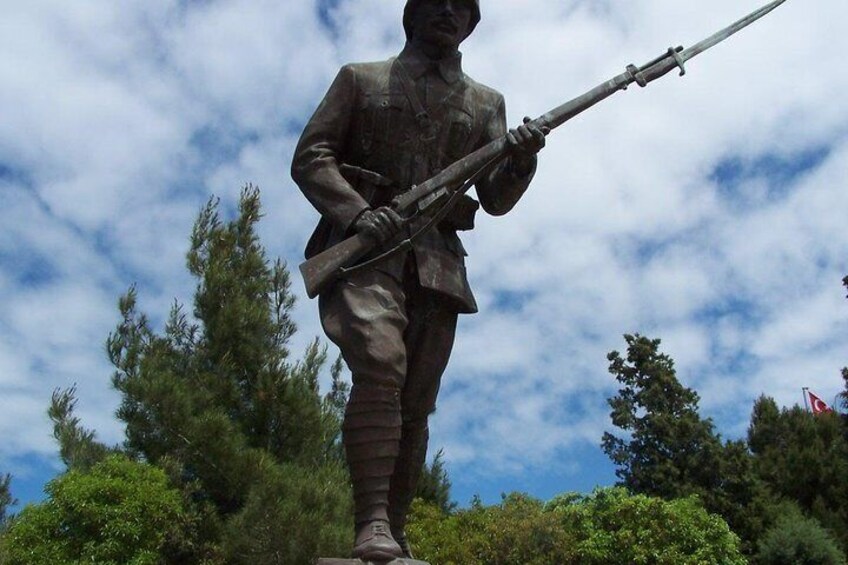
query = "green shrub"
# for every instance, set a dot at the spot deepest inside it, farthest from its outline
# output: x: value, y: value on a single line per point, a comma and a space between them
x: 292, y: 516
x: 798, y: 540
x: 121, y: 512
x: 515, y: 531
x: 611, y: 527
x: 607, y: 527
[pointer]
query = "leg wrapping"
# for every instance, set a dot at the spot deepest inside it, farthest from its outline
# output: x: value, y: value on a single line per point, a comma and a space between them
x: 407, y: 471
x: 371, y: 433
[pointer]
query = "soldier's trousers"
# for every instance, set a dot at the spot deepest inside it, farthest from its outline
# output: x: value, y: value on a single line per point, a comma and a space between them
x: 396, y: 338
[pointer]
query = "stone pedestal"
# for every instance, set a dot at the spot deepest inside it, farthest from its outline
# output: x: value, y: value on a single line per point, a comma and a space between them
x: 331, y: 561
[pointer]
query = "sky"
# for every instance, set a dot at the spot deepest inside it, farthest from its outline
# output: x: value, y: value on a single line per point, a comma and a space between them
x: 708, y: 211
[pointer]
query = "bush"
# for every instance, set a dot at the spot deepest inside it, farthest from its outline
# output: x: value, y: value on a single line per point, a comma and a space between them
x: 798, y: 540
x: 292, y: 516
x: 612, y: 526
x: 121, y: 512
x: 517, y: 531
x: 607, y: 527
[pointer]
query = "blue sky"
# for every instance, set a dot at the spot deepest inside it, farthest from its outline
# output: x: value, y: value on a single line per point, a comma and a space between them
x: 708, y: 211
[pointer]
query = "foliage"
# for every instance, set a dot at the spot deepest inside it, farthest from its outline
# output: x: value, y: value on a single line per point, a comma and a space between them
x: 118, y: 512
x: 843, y: 396
x: 77, y: 445
x: 434, y: 485
x: 798, y: 540
x: 6, y: 499
x: 218, y: 402
x: 803, y: 458
x: 671, y: 451
x: 613, y: 526
x: 517, y: 531
x: 291, y: 517
x: 608, y: 527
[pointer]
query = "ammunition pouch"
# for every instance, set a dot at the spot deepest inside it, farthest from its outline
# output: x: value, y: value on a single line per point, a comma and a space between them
x: 461, y: 217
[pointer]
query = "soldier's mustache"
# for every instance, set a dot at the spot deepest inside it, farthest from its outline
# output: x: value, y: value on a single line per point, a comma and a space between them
x: 446, y: 22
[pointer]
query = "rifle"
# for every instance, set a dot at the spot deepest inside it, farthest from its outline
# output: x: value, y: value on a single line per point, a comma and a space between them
x: 435, y: 196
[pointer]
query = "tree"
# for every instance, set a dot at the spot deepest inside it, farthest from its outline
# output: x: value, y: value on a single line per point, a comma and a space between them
x: 671, y: 451
x: 843, y: 396
x: 216, y: 404
x: 434, y: 485
x: 117, y: 512
x: 6, y: 499
x: 803, y: 458
x: 216, y: 399
x: 78, y: 447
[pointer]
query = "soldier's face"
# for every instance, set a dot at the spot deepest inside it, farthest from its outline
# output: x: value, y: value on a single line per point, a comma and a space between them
x: 443, y: 23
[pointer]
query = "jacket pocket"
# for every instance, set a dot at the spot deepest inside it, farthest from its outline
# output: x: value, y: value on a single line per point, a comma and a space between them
x: 458, y: 136
x: 382, y: 119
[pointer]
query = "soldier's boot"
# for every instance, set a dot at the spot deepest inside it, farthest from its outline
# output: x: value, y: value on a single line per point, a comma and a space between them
x: 413, y: 453
x: 371, y: 436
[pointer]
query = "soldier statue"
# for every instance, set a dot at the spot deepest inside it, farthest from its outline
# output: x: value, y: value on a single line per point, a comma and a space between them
x: 382, y: 128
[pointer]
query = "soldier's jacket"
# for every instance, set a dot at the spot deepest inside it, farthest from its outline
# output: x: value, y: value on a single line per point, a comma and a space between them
x: 367, y: 120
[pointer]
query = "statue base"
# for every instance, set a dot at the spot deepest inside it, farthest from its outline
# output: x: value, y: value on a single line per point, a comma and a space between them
x: 333, y: 561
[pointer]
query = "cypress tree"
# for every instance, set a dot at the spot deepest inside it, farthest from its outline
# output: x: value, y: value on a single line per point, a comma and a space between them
x: 672, y: 452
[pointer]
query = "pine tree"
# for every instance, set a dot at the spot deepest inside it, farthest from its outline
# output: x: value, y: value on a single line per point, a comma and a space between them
x: 217, y: 401
x: 6, y: 499
x: 434, y: 485
x: 78, y: 447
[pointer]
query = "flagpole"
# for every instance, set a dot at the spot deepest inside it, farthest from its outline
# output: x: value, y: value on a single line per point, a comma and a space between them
x: 804, y: 390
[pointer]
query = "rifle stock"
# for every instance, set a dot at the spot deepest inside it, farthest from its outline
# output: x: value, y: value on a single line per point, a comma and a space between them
x: 322, y: 269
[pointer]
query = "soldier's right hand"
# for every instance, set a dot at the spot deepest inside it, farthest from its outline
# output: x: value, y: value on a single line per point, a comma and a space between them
x: 380, y: 225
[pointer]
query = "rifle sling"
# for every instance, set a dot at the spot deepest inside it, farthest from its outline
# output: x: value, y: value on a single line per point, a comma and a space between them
x: 421, y: 114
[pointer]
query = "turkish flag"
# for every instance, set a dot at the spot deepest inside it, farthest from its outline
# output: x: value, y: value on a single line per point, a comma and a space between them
x: 818, y: 405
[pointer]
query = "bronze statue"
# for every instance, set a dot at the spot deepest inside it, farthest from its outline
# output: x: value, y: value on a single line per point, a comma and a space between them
x: 381, y: 128
x: 387, y: 159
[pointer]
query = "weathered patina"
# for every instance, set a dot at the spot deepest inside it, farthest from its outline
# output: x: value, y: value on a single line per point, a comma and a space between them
x: 382, y: 128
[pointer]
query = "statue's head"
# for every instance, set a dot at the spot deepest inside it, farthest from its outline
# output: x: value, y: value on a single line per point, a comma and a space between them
x: 443, y: 22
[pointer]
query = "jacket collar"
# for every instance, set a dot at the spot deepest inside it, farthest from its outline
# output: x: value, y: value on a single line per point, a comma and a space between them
x: 417, y: 64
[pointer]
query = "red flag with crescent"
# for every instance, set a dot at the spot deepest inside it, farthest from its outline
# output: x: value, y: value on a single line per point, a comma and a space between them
x: 818, y: 405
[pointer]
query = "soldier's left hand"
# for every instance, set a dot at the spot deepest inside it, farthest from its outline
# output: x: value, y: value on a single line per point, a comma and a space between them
x: 527, y: 138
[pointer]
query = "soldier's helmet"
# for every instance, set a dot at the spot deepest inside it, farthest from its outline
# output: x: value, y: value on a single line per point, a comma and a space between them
x: 409, y: 10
